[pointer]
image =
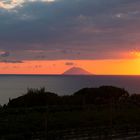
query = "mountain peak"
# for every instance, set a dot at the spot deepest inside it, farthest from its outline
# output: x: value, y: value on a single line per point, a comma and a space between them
x: 76, y: 71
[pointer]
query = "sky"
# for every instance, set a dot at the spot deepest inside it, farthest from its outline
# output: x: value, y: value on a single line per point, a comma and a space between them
x: 51, y: 36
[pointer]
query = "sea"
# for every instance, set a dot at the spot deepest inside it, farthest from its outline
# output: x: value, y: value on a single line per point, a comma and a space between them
x: 12, y: 86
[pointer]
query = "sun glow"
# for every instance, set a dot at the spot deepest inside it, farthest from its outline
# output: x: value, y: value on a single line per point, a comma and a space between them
x: 98, y: 67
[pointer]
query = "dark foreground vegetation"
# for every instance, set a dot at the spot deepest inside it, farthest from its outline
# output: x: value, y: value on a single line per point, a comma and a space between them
x: 102, y: 113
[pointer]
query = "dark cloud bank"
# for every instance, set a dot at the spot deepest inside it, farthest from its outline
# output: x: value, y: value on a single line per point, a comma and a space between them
x: 70, y: 29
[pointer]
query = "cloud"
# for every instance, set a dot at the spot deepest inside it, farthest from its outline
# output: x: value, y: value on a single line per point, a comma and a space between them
x: 69, y: 29
x: 69, y: 63
x: 38, y: 66
x: 11, y: 61
x: 4, y: 53
x: 11, y: 4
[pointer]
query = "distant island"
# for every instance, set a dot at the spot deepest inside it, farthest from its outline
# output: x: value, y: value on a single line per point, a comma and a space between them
x: 76, y: 71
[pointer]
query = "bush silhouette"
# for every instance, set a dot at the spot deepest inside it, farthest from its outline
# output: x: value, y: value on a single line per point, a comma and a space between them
x: 34, y: 97
x: 39, y: 97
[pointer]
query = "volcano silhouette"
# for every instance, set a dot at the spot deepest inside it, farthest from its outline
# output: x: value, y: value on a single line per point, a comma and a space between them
x: 76, y: 71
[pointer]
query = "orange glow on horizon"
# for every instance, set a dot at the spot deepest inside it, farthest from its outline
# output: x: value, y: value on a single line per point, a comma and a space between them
x: 99, y: 67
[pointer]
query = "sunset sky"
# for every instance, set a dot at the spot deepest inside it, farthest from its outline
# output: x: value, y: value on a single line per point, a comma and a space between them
x: 51, y: 36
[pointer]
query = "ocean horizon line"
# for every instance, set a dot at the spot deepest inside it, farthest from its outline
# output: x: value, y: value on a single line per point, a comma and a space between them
x: 68, y: 75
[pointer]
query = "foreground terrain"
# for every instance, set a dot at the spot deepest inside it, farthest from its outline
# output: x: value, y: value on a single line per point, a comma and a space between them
x: 92, y: 113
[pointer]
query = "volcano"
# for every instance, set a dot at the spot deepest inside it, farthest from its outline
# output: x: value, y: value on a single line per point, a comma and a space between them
x: 76, y: 71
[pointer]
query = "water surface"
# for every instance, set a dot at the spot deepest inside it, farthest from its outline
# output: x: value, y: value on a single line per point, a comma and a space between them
x: 12, y: 86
